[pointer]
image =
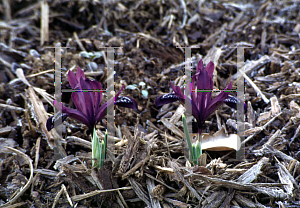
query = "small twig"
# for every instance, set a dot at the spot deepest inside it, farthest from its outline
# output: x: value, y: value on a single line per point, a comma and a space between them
x: 218, y: 120
x: 17, y: 205
x: 295, y: 135
x: 169, y: 187
x: 105, y: 58
x: 63, y: 189
x: 184, y: 14
x: 213, y: 36
x: 13, y: 113
x: 67, y: 194
x: 11, y: 107
x: 122, y: 199
x: 132, y: 170
x: 37, y: 152
x: 150, y: 186
x: 258, y: 91
x: 96, y: 192
x: 40, y: 73
x: 165, y: 169
x: 6, y: 5
x: 78, y: 141
x: 188, y: 185
x: 140, y: 34
x: 57, y: 197
x: 273, y: 137
x: 96, y: 179
x: 78, y: 42
x: 268, y: 148
x: 140, y: 192
x: 261, y: 128
x: 44, y: 22
x: 284, y: 175
x: 167, y: 144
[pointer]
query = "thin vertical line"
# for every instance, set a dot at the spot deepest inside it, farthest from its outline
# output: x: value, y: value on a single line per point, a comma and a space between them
x: 188, y: 73
x: 110, y: 108
x: 240, y: 155
x: 57, y: 96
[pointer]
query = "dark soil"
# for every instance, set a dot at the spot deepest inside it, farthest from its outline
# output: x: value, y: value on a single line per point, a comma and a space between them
x: 40, y: 169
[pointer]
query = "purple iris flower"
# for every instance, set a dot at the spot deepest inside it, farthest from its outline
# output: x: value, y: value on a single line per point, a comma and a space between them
x: 88, y: 109
x: 202, y: 105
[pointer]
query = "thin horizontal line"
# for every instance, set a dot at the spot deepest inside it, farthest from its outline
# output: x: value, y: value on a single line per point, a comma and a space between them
x: 242, y: 46
x: 95, y: 90
x: 214, y: 90
x: 188, y: 46
x: 57, y: 47
x: 108, y: 47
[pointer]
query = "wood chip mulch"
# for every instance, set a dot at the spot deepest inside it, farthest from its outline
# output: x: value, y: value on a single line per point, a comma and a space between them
x: 41, y: 169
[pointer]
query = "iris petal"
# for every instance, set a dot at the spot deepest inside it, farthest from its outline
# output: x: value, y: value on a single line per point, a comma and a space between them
x: 200, y: 66
x: 102, y: 110
x: 72, y: 79
x: 120, y: 91
x: 177, y: 91
x: 79, y: 74
x: 88, y: 98
x: 97, y: 95
x: 210, y: 67
x: 165, y: 99
x: 214, y: 104
x: 79, y: 100
x: 56, y: 118
x: 233, y: 101
x: 79, y: 116
x: 204, y: 84
x: 126, y: 102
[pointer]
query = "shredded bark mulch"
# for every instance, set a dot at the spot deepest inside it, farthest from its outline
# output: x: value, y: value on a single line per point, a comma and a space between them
x: 41, y: 169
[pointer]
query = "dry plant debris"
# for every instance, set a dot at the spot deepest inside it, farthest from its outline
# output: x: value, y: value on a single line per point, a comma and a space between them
x: 40, y: 169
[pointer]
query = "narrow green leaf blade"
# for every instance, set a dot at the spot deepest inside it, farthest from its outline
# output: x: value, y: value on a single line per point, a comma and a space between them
x: 187, y: 135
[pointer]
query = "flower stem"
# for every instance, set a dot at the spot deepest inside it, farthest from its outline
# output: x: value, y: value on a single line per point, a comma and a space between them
x: 195, y: 150
x: 103, y: 150
x: 188, y: 138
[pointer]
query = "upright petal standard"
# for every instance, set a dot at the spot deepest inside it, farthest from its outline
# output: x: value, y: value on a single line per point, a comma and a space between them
x: 87, y: 99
